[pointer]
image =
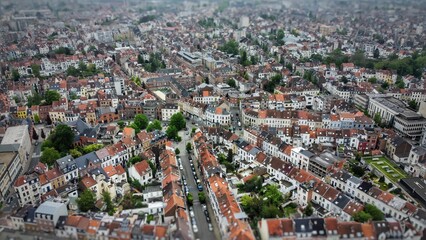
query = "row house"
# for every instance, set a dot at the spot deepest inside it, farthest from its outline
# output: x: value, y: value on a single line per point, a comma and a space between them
x: 332, y: 228
x: 192, y: 108
x: 225, y: 207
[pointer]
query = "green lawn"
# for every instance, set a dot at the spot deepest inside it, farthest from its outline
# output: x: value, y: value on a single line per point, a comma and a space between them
x: 388, y: 168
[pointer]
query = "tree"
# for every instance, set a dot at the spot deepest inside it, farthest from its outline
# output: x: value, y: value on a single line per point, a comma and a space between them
x: 309, y: 210
x: 141, y: 120
x: 188, y: 147
x: 15, y: 75
x: 153, y: 168
x: 270, y: 211
x: 412, y: 104
x: 178, y: 121
x: 172, y: 132
x: 362, y: 217
x: 372, y: 80
x: 51, y: 96
x: 277, y: 78
x: 399, y: 82
x: 254, y: 60
x: 86, y: 201
x: 49, y: 156
x: 230, y: 156
x: 375, y: 213
x: 36, y: 118
x: 206, y: 80
x: 244, y: 60
x: 35, y: 135
x: 231, y: 82
x: 358, y: 171
x: 385, y: 85
x: 135, y: 160
x: 377, y: 118
x: 230, y: 47
x: 48, y: 120
x: 376, y: 53
x: 155, y: 125
x: 82, y: 66
x: 202, y: 197
x: 136, y: 127
x: 120, y: 124
x: 35, y: 99
x: 189, y: 199
x: 35, y: 69
x: 62, y: 138
x: 63, y: 50
x: 72, y: 71
x: 92, y: 147
x: 177, y: 151
x: 273, y: 195
x: 75, y: 153
x: 106, y: 196
x: 42, y: 134
x: 344, y: 79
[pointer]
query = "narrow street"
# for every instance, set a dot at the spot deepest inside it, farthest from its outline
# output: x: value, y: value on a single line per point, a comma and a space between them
x: 200, y: 218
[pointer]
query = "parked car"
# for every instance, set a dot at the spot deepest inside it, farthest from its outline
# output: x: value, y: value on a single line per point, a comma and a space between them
x: 210, y: 227
x: 200, y: 187
x: 195, y: 228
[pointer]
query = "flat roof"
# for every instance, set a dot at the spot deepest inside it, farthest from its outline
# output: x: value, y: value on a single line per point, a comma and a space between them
x: 14, y: 134
x: 417, y: 187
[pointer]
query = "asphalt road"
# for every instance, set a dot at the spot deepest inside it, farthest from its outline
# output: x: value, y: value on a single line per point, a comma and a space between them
x: 200, y: 218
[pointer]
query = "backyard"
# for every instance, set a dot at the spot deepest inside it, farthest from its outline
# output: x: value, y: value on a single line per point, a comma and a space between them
x: 388, y: 168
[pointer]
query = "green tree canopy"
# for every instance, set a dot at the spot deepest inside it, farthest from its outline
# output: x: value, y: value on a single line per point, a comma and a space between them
x: 202, y: 197
x: 362, y: 217
x: 49, y: 156
x: 51, y: 96
x: 75, y: 153
x: 35, y: 69
x: 172, y: 132
x: 412, y: 104
x: 231, y: 82
x: 190, y: 199
x: 177, y: 151
x: 92, y: 147
x: 86, y: 201
x: 155, y: 125
x: 35, y: 99
x: 374, y: 212
x: 230, y: 156
x: 15, y: 75
x: 62, y: 138
x: 188, y: 147
x: 141, y: 120
x: 309, y: 210
x: 230, y: 47
x: 273, y: 195
x: 72, y: 71
x: 106, y: 196
x: 178, y: 121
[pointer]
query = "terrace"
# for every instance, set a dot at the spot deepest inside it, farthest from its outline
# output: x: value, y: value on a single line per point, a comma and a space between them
x: 386, y: 167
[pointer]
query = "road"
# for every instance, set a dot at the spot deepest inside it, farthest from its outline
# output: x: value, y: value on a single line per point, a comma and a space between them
x: 200, y: 218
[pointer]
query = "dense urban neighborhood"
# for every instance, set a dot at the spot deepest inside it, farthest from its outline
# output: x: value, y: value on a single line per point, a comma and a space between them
x: 201, y: 119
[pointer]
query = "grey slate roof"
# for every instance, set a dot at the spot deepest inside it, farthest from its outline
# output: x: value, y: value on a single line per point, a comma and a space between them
x: 83, y: 161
